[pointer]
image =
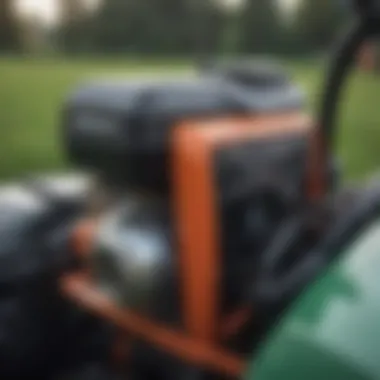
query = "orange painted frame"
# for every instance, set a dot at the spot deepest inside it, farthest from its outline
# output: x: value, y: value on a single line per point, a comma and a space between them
x: 196, y: 212
x: 196, y: 209
x: 79, y: 289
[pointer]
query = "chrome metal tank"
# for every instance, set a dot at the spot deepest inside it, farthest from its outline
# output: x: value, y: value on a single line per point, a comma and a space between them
x: 132, y: 255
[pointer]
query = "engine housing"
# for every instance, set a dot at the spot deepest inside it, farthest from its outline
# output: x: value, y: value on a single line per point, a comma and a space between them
x: 122, y: 129
x: 132, y: 258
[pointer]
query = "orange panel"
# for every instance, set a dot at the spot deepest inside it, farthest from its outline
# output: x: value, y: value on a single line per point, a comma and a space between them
x: 196, y: 210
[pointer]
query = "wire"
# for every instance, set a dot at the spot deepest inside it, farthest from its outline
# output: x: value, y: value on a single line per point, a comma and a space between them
x: 340, y: 68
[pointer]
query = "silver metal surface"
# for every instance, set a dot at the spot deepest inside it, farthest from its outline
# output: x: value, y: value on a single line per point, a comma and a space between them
x: 132, y: 255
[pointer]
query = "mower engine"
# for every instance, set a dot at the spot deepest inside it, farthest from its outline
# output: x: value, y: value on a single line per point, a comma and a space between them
x: 200, y: 174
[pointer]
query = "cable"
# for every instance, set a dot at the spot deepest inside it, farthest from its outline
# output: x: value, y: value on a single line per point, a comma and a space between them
x: 343, y: 61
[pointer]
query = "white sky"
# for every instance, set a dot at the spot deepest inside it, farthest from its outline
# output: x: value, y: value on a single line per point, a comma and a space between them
x: 47, y: 9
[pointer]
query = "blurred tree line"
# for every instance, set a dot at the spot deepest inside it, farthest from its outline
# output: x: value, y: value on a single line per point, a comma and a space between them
x: 177, y: 27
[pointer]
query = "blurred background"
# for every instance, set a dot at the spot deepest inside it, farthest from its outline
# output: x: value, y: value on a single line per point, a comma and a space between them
x: 49, y: 46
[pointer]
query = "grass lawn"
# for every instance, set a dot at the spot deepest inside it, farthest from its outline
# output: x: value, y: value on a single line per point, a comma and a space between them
x: 31, y: 92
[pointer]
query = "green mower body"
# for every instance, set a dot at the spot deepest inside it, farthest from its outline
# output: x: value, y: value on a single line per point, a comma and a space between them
x: 333, y: 330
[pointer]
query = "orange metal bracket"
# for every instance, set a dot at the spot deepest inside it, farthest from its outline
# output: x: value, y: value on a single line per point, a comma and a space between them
x: 79, y: 290
x: 197, y: 221
x: 196, y: 209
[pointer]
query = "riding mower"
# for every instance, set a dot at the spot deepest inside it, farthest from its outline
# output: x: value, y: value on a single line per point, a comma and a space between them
x: 210, y: 239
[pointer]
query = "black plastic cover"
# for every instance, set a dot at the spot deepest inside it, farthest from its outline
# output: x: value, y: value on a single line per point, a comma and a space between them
x: 260, y: 183
x: 32, y: 214
x: 122, y: 128
x: 41, y: 335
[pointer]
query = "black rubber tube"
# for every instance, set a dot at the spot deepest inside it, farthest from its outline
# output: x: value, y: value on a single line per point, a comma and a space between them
x: 270, y: 290
x: 339, y: 71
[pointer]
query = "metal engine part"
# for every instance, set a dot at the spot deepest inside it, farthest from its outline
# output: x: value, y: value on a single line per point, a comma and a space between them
x: 132, y: 254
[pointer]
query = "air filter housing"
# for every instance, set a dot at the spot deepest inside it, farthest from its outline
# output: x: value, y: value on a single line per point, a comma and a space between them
x: 122, y: 129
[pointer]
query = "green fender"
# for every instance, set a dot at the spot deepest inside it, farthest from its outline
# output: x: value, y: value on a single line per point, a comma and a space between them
x: 333, y: 330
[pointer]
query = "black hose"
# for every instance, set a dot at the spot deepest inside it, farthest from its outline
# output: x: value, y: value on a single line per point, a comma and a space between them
x: 340, y: 69
x: 272, y: 289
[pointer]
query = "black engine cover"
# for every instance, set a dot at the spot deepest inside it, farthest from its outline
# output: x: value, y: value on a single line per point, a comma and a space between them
x: 259, y: 184
x: 122, y: 128
x: 41, y: 335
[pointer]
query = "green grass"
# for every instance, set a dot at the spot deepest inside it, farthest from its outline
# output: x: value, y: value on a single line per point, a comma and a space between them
x: 32, y: 91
